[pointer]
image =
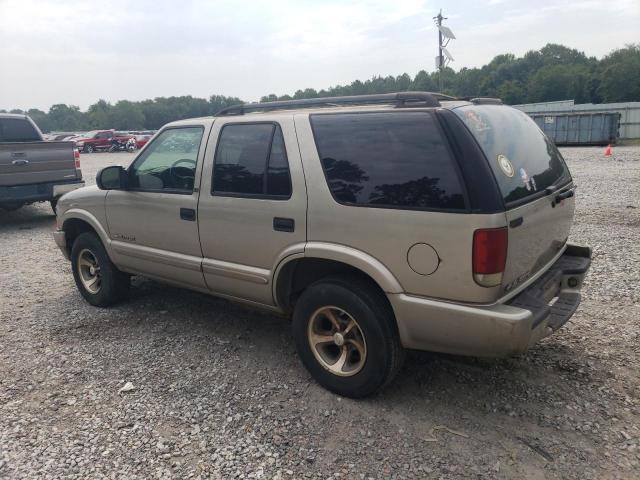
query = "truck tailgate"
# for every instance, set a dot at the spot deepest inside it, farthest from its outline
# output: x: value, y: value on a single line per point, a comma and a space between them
x: 36, y: 162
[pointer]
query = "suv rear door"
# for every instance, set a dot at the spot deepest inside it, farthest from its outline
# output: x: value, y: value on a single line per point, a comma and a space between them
x: 253, y: 205
x: 535, y: 184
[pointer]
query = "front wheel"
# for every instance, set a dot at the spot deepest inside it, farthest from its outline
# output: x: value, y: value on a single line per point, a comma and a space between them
x: 346, y: 336
x: 88, y: 149
x: 97, y: 278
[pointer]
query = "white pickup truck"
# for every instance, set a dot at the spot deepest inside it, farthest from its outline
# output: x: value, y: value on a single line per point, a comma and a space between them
x: 31, y: 169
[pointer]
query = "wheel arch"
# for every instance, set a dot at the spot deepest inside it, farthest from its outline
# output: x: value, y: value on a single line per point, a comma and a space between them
x: 76, y: 222
x: 297, y: 272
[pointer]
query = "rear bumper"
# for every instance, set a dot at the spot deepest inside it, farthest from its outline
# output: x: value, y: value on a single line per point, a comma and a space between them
x: 500, y: 329
x: 37, y: 192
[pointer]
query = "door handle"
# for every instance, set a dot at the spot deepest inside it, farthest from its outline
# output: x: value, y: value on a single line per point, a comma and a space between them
x: 20, y: 162
x: 564, y: 195
x: 284, y: 224
x: 188, y: 214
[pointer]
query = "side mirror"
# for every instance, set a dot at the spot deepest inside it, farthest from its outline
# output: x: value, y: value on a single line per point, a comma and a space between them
x: 112, y: 178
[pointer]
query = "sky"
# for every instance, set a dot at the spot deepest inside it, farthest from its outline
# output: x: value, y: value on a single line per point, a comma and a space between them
x: 76, y: 52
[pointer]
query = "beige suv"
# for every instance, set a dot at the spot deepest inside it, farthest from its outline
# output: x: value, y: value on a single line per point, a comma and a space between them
x: 380, y: 223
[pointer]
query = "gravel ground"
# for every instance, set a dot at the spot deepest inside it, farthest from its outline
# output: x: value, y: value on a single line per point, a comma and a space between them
x: 218, y: 391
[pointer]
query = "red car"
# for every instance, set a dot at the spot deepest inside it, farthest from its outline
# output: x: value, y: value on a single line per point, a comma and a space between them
x: 100, y: 140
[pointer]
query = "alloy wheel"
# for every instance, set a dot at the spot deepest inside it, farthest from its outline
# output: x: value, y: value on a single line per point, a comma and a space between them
x: 89, y: 271
x: 337, y: 342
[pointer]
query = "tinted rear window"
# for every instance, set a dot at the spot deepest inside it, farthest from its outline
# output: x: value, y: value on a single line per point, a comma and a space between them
x: 17, y: 130
x: 388, y: 160
x: 251, y: 160
x: 524, y: 161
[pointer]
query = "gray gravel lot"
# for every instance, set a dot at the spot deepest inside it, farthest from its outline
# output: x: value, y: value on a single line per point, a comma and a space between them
x: 218, y: 391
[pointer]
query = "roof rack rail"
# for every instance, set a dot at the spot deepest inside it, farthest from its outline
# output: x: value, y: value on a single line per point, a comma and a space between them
x: 400, y: 99
x: 483, y: 100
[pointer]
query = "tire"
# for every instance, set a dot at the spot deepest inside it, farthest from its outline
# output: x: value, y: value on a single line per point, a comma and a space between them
x: 54, y: 205
x: 88, y: 149
x: 112, y: 285
x: 348, y: 298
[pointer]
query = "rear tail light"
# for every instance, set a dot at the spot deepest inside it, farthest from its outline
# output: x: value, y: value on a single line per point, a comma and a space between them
x: 489, y: 255
x: 76, y: 156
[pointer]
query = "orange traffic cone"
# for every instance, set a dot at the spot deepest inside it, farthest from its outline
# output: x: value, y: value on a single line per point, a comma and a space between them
x: 607, y: 152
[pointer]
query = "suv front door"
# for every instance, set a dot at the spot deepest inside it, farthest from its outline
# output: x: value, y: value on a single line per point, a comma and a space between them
x: 153, y: 223
x: 252, y: 210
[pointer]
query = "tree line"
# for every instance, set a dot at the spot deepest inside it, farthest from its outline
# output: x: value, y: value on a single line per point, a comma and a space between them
x: 554, y: 72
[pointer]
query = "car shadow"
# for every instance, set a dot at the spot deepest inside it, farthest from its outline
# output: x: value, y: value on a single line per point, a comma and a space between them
x: 26, y: 217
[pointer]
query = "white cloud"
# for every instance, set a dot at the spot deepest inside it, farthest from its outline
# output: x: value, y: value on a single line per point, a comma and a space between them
x: 76, y: 51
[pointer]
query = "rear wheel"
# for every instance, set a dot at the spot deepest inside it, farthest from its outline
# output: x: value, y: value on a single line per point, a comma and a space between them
x: 88, y: 149
x: 97, y: 278
x: 346, y: 336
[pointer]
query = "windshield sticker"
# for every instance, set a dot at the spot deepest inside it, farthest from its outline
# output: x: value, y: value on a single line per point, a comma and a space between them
x: 475, y: 121
x: 506, y: 166
x: 528, y: 181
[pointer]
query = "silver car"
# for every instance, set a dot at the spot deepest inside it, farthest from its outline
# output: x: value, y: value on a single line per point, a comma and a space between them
x: 379, y: 223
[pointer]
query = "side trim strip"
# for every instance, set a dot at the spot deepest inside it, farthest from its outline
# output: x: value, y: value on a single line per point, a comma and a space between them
x: 188, y: 262
x: 237, y: 271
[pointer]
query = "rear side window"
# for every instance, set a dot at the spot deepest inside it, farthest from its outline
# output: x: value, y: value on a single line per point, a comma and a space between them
x: 251, y: 160
x: 524, y: 161
x: 396, y: 160
x: 17, y: 130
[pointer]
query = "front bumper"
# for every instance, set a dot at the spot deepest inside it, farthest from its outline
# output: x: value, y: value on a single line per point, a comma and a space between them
x: 61, y: 240
x: 61, y: 189
x: 501, y: 329
x: 37, y: 192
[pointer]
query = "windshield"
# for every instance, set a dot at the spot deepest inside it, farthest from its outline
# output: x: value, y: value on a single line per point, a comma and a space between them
x: 524, y: 161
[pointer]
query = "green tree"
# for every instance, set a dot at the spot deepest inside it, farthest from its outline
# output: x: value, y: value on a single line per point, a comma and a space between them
x: 511, y: 92
x: 619, y: 77
x: 126, y: 115
x: 99, y: 115
x: 41, y: 119
x: 66, y: 118
x: 557, y: 82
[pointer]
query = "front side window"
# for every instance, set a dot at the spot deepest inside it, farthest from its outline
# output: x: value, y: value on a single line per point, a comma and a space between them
x: 396, y: 160
x: 251, y: 160
x: 169, y: 162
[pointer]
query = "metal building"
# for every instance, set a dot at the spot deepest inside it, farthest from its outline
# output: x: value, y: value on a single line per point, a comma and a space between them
x: 629, y: 112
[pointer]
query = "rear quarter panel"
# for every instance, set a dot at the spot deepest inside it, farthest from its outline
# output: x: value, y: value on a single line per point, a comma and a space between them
x: 388, y: 234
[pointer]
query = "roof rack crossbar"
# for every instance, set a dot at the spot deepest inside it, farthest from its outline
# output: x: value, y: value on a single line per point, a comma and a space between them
x: 422, y: 99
